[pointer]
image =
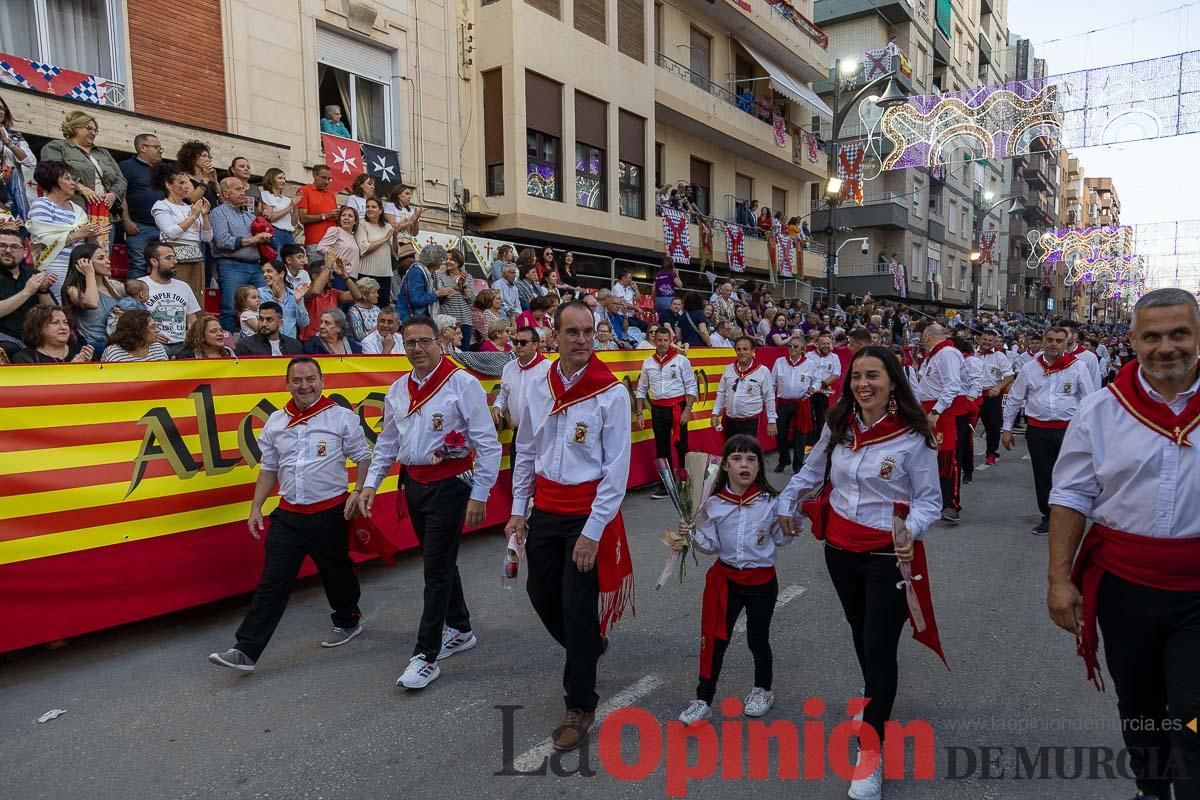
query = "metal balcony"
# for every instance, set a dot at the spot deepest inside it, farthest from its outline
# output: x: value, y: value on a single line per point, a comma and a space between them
x: 887, y: 211
x: 985, y: 50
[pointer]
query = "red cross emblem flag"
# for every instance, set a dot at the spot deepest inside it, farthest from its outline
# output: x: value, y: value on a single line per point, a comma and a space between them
x: 850, y: 170
x: 786, y: 257
x: 676, y: 238
x: 814, y: 147
x: 987, y: 245
x: 735, y: 247
x: 780, y: 126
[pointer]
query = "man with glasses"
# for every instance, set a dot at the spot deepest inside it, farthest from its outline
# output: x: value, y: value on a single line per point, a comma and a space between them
x: 171, y: 301
x: 744, y: 394
x: 436, y: 425
x: 521, y: 375
x: 793, y: 385
x: 21, y: 288
x: 140, y: 196
x: 668, y: 378
x: 571, y: 456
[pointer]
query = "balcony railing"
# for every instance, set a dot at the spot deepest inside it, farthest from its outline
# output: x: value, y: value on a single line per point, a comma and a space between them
x: 785, y: 11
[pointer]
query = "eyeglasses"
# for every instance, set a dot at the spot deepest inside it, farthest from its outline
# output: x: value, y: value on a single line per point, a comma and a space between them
x: 579, y: 335
x: 17, y: 246
x: 410, y: 344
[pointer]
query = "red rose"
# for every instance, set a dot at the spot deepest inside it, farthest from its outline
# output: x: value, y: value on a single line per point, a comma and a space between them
x: 455, y: 439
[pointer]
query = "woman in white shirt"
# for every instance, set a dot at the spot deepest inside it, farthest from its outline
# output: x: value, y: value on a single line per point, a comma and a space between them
x: 876, y: 451
x: 374, y: 237
x: 184, y: 226
x: 278, y: 208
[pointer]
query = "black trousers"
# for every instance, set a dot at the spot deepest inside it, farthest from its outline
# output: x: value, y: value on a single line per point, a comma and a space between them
x: 566, y: 600
x: 789, y: 442
x: 1152, y: 647
x: 820, y: 407
x: 437, y: 511
x: 735, y: 426
x: 292, y: 536
x: 992, y: 415
x: 876, y: 611
x: 759, y: 602
x: 663, y: 424
x: 966, y: 447
x: 1044, y: 444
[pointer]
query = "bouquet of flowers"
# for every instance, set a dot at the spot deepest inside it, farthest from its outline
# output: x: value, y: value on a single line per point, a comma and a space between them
x: 903, y: 538
x: 688, y: 492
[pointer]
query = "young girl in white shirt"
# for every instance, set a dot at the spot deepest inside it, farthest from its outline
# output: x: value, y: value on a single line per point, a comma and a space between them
x: 246, y: 302
x: 740, y: 524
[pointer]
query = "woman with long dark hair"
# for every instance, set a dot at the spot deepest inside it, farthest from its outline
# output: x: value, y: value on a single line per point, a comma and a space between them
x: 877, y: 450
x: 89, y: 293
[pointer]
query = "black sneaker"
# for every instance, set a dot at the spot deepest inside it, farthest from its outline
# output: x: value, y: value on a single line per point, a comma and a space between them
x: 967, y: 480
x: 780, y: 466
x: 950, y: 515
x: 1042, y: 528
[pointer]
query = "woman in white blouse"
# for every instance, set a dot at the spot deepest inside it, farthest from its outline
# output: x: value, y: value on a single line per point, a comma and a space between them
x: 183, y: 225
x: 374, y: 237
x: 879, y: 451
x: 278, y: 208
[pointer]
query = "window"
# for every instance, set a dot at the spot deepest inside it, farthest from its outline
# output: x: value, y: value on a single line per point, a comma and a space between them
x: 701, y: 172
x: 700, y: 50
x: 543, y: 137
x: 965, y: 224
x: 493, y: 132
x: 81, y: 35
x: 952, y: 220
x: 915, y: 264
x: 631, y: 32
x: 743, y: 187
x: 590, y: 18
x: 549, y: 6
x: 916, y: 200
x: 358, y: 78
x: 631, y: 150
x: 779, y: 201
x: 814, y: 197
x: 591, y: 145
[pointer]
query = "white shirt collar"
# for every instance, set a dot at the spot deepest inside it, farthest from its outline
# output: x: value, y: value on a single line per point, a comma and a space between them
x: 568, y: 380
x: 1182, y: 398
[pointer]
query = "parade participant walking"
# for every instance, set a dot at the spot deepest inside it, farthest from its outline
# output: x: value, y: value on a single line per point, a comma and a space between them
x: 825, y: 369
x: 998, y: 375
x: 436, y: 425
x: 877, y: 451
x: 1050, y: 389
x: 668, y: 378
x: 970, y: 398
x: 1128, y: 463
x: 525, y: 373
x: 304, y: 447
x: 744, y: 394
x: 1075, y: 347
x: 940, y: 384
x: 793, y: 386
x: 571, y: 456
x: 740, y: 524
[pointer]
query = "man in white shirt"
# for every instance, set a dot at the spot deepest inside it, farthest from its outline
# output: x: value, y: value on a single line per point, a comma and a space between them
x: 825, y: 370
x: 1130, y: 463
x: 1049, y: 388
x: 525, y: 373
x: 171, y: 302
x: 792, y: 385
x: 1075, y: 347
x: 437, y: 426
x: 626, y: 291
x: 721, y: 337
x: 998, y: 375
x: 744, y: 394
x: 304, y: 446
x: 384, y: 340
x: 941, y: 383
x: 667, y: 378
x: 572, y: 444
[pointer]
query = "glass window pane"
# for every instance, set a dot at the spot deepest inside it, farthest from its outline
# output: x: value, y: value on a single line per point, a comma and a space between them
x: 17, y: 29
x: 531, y: 145
x: 542, y: 181
x: 369, y: 123
x: 79, y: 36
x: 549, y: 149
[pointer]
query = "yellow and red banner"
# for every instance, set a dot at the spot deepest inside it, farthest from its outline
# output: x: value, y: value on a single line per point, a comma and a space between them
x: 126, y: 486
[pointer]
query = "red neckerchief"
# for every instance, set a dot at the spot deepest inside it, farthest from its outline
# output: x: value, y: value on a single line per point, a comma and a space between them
x: 298, y: 417
x: 533, y: 362
x: 662, y: 362
x: 595, y: 379
x: 1156, y: 416
x: 738, y: 370
x: 937, y: 348
x: 740, y: 499
x: 797, y: 362
x: 1064, y: 361
x: 1078, y: 349
x: 420, y: 395
x: 886, y: 429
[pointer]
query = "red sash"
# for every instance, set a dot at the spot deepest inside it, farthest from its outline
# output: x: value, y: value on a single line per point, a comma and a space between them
x: 802, y: 420
x: 1170, y: 564
x: 1049, y: 424
x: 946, y: 432
x: 432, y: 473
x: 614, y: 564
x: 715, y: 605
x: 313, y: 508
x: 850, y: 535
x: 1156, y: 416
x: 533, y: 362
x: 297, y: 416
x: 420, y: 395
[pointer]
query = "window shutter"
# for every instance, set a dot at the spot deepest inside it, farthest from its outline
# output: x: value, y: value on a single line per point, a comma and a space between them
x: 632, y: 144
x: 591, y: 121
x: 549, y: 6
x: 700, y: 171
x: 493, y: 117
x: 591, y: 17
x: 543, y: 104
x: 631, y: 29
x: 701, y: 44
x: 351, y: 55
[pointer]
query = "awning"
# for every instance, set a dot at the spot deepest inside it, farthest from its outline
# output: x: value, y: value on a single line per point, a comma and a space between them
x: 790, y: 87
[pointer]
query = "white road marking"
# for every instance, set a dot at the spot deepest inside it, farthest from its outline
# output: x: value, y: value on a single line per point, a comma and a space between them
x: 532, y: 758
x: 982, y: 467
x: 786, y: 596
x: 1025, y: 457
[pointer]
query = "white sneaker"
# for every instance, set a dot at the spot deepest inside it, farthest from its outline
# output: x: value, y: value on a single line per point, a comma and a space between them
x: 870, y: 787
x: 859, y: 716
x: 758, y: 702
x: 419, y: 673
x: 697, y: 711
x: 454, y: 641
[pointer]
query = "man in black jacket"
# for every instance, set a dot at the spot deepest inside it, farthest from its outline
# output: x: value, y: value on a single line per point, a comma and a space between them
x: 269, y: 341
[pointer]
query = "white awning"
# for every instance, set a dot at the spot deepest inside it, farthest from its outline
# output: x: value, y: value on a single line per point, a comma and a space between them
x: 792, y: 88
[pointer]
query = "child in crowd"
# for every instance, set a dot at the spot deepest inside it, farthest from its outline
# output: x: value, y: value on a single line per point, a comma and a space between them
x: 245, y: 302
x: 740, y: 523
x: 137, y: 294
x: 364, y: 314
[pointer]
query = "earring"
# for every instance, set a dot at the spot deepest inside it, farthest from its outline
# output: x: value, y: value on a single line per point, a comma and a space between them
x: 891, y: 406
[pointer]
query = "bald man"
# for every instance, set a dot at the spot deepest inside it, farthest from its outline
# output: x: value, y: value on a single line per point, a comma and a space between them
x: 939, y: 386
x: 235, y: 247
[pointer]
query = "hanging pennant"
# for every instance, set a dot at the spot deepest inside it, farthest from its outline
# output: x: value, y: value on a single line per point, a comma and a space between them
x: 735, y: 247
x: 850, y: 170
x: 706, y: 244
x: 987, y: 246
x: 780, y: 126
x: 676, y: 237
x: 814, y: 147
x: 786, y: 256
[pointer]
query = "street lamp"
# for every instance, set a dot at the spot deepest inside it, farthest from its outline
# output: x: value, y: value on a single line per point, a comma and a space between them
x: 892, y: 95
x: 1016, y: 206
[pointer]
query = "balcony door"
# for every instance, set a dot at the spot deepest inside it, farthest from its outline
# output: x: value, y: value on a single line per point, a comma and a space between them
x: 701, y: 58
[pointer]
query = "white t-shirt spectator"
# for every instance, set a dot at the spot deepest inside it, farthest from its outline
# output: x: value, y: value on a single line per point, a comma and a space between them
x: 170, y: 305
x: 278, y: 203
x: 628, y: 295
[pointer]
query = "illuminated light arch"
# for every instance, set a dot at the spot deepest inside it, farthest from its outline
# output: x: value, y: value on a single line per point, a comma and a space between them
x: 1022, y: 138
x: 1113, y: 128
x: 966, y: 136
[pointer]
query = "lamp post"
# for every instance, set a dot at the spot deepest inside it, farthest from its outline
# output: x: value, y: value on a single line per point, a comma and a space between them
x: 1017, y: 206
x: 892, y: 95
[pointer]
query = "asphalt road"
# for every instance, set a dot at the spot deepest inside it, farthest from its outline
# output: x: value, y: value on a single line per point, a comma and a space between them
x: 148, y: 717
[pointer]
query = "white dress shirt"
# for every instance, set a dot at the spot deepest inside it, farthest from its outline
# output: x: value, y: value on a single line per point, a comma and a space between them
x: 1047, y: 398
x: 669, y: 381
x: 941, y: 379
x: 628, y: 295
x: 587, y: 441
x: 822, y: 368
x: 1120, y: 473
x: 717, y: 340
x: 866, y: 482
x: 1092, y: 363
x: 744, y: 396
x: 996, y: 367
x: 310, y: 457
x: 972, y: 377
x: 460, y: 405
x: 372, y: 344
x: 792, y: 381
x: 516, y: 383
x: 742, y: 535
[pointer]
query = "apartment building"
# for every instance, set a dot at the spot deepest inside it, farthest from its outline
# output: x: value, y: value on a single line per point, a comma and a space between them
x: 1101, y: 202
x: 930, y: 218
